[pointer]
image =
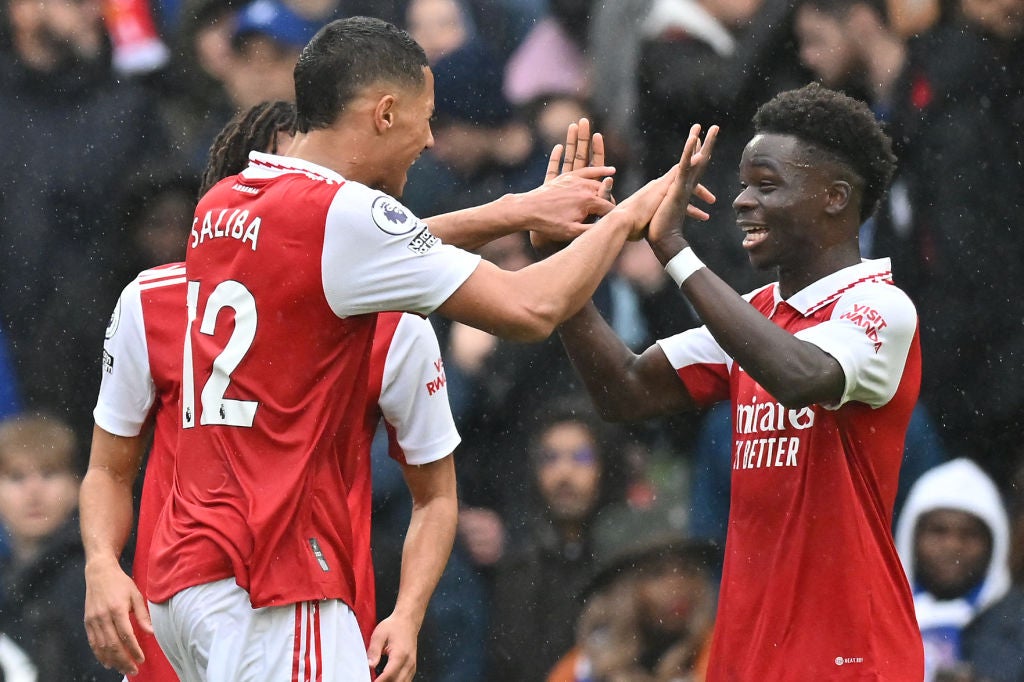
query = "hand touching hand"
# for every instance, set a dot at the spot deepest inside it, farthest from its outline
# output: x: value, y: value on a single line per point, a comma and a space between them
x: 666, y: 229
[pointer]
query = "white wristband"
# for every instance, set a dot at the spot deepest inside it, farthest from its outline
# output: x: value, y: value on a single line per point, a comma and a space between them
x: 682, y: 265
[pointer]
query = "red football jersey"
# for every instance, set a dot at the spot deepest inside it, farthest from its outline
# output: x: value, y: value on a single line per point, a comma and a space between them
x: 812, y: 587
x: 287, y: 265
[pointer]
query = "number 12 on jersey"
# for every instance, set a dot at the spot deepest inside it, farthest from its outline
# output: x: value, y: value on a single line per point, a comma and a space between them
x: 216, y: 409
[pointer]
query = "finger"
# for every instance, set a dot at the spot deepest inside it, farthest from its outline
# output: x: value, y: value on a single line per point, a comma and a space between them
x: 553, y: 160
x: 704, y: 194
x: 571, y: 138
x: 606, y: 190
x: 696, y: 213
x: 595, y: 172
x: 597, y: 153
x: 581, y: 158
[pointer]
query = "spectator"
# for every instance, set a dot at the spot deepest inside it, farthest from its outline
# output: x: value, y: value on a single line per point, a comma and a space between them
x: 481, y: 150
x: 267, y: 40
x: 42, y: 581
x: 954, y: 250
x: 647, y: 618
x: 711, y: 60
x: 953, y: 539
x: 538, y: 588
x: 60, y: 231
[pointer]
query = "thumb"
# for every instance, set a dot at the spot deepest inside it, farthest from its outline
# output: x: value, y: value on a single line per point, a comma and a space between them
x: 373, y: 652
x: 141, y: 610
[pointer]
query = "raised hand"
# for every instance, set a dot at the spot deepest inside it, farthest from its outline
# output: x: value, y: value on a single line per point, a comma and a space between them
x: 666, y: 230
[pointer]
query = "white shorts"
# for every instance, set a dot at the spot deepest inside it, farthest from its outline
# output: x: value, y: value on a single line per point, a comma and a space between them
x: 211, y: 633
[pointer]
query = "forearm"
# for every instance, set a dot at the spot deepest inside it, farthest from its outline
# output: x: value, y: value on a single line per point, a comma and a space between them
x: 624, y: 386
x: 428, y: 544
x: 105, y: 498
x: 472, y: 228
x: 561, y: 284
x: 527, y: 304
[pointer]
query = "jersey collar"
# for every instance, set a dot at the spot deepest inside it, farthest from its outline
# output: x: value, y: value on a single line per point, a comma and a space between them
x: 263, y: 166
x: 829, y: 288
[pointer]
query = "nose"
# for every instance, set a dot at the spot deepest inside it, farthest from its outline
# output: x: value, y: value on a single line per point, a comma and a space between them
x: 744, y: 201
x: 430, y: 138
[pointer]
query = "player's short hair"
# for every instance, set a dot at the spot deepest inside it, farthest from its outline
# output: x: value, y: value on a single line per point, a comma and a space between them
x: 49, y: 441
x: 840, y: 126
x: 254, y: 129
x: 345, y: 56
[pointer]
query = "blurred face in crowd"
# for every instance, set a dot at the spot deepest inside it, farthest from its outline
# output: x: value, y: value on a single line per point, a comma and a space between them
x: 37, y: 494
x: 1001, y: 18
x: 826, y: 47
x: 733, y: 13
x: 568, y: 471
x: 674, y: 600
x: 952, y: 551
x: 50, y: 33
x: 437, y: 25
x: 262, y: 70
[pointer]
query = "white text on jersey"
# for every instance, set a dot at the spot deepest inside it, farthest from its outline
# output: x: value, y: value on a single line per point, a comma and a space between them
x: 235, y: 224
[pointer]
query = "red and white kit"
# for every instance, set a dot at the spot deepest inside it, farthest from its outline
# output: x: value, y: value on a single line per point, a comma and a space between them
x: 812, y: 587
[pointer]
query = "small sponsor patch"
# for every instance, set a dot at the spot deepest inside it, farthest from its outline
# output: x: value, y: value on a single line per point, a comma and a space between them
x: 244, y: 189
x: 115, y: 319
x: 391, y: 217
x: 318, y: 553
x: 423, y: 241
x: 108, y: 362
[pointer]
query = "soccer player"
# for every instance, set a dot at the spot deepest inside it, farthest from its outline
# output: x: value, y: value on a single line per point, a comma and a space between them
x: 822, y: 369
x: 251, y: 564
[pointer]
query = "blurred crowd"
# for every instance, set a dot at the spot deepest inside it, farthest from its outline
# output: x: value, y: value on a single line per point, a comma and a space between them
x: 586, y: 551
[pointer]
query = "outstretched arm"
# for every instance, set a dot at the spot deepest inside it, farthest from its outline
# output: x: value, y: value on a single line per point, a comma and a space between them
x: 526, y: 305
x: 105, y: 502
x: 428, y: 545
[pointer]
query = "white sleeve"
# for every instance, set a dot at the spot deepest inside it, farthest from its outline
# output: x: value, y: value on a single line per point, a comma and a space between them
x: 869, y: 334
x: 413, y: 397
x: 127, y: 390
x: 379, y: 256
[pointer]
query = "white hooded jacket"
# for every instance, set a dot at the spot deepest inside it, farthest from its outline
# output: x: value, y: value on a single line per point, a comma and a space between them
x: 960, y: 485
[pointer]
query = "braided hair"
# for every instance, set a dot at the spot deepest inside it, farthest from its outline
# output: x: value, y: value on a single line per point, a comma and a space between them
x: 255, y: 129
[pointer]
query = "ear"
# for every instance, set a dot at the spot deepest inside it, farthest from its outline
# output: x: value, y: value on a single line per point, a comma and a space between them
x: 838, y: 196
x: 384, y: 113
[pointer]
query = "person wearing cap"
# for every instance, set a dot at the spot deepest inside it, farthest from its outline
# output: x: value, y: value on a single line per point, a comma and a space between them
x: 267, y: 40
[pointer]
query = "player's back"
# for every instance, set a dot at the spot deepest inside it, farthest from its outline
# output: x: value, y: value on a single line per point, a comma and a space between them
x: 273, y: 397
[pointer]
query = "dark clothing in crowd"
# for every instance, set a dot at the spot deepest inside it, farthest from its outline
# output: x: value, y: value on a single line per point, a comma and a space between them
x: 951, y: 231
x: 74, y: 135
x: 41, y: 607
x: 993, y: 642
x: 538, y: 595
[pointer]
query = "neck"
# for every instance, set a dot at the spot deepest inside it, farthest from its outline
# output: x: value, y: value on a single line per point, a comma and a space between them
x: 343, y: 150
x: 794, y: 278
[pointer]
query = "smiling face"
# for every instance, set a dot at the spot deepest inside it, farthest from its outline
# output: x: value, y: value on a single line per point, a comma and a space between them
x: 781, y: 203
